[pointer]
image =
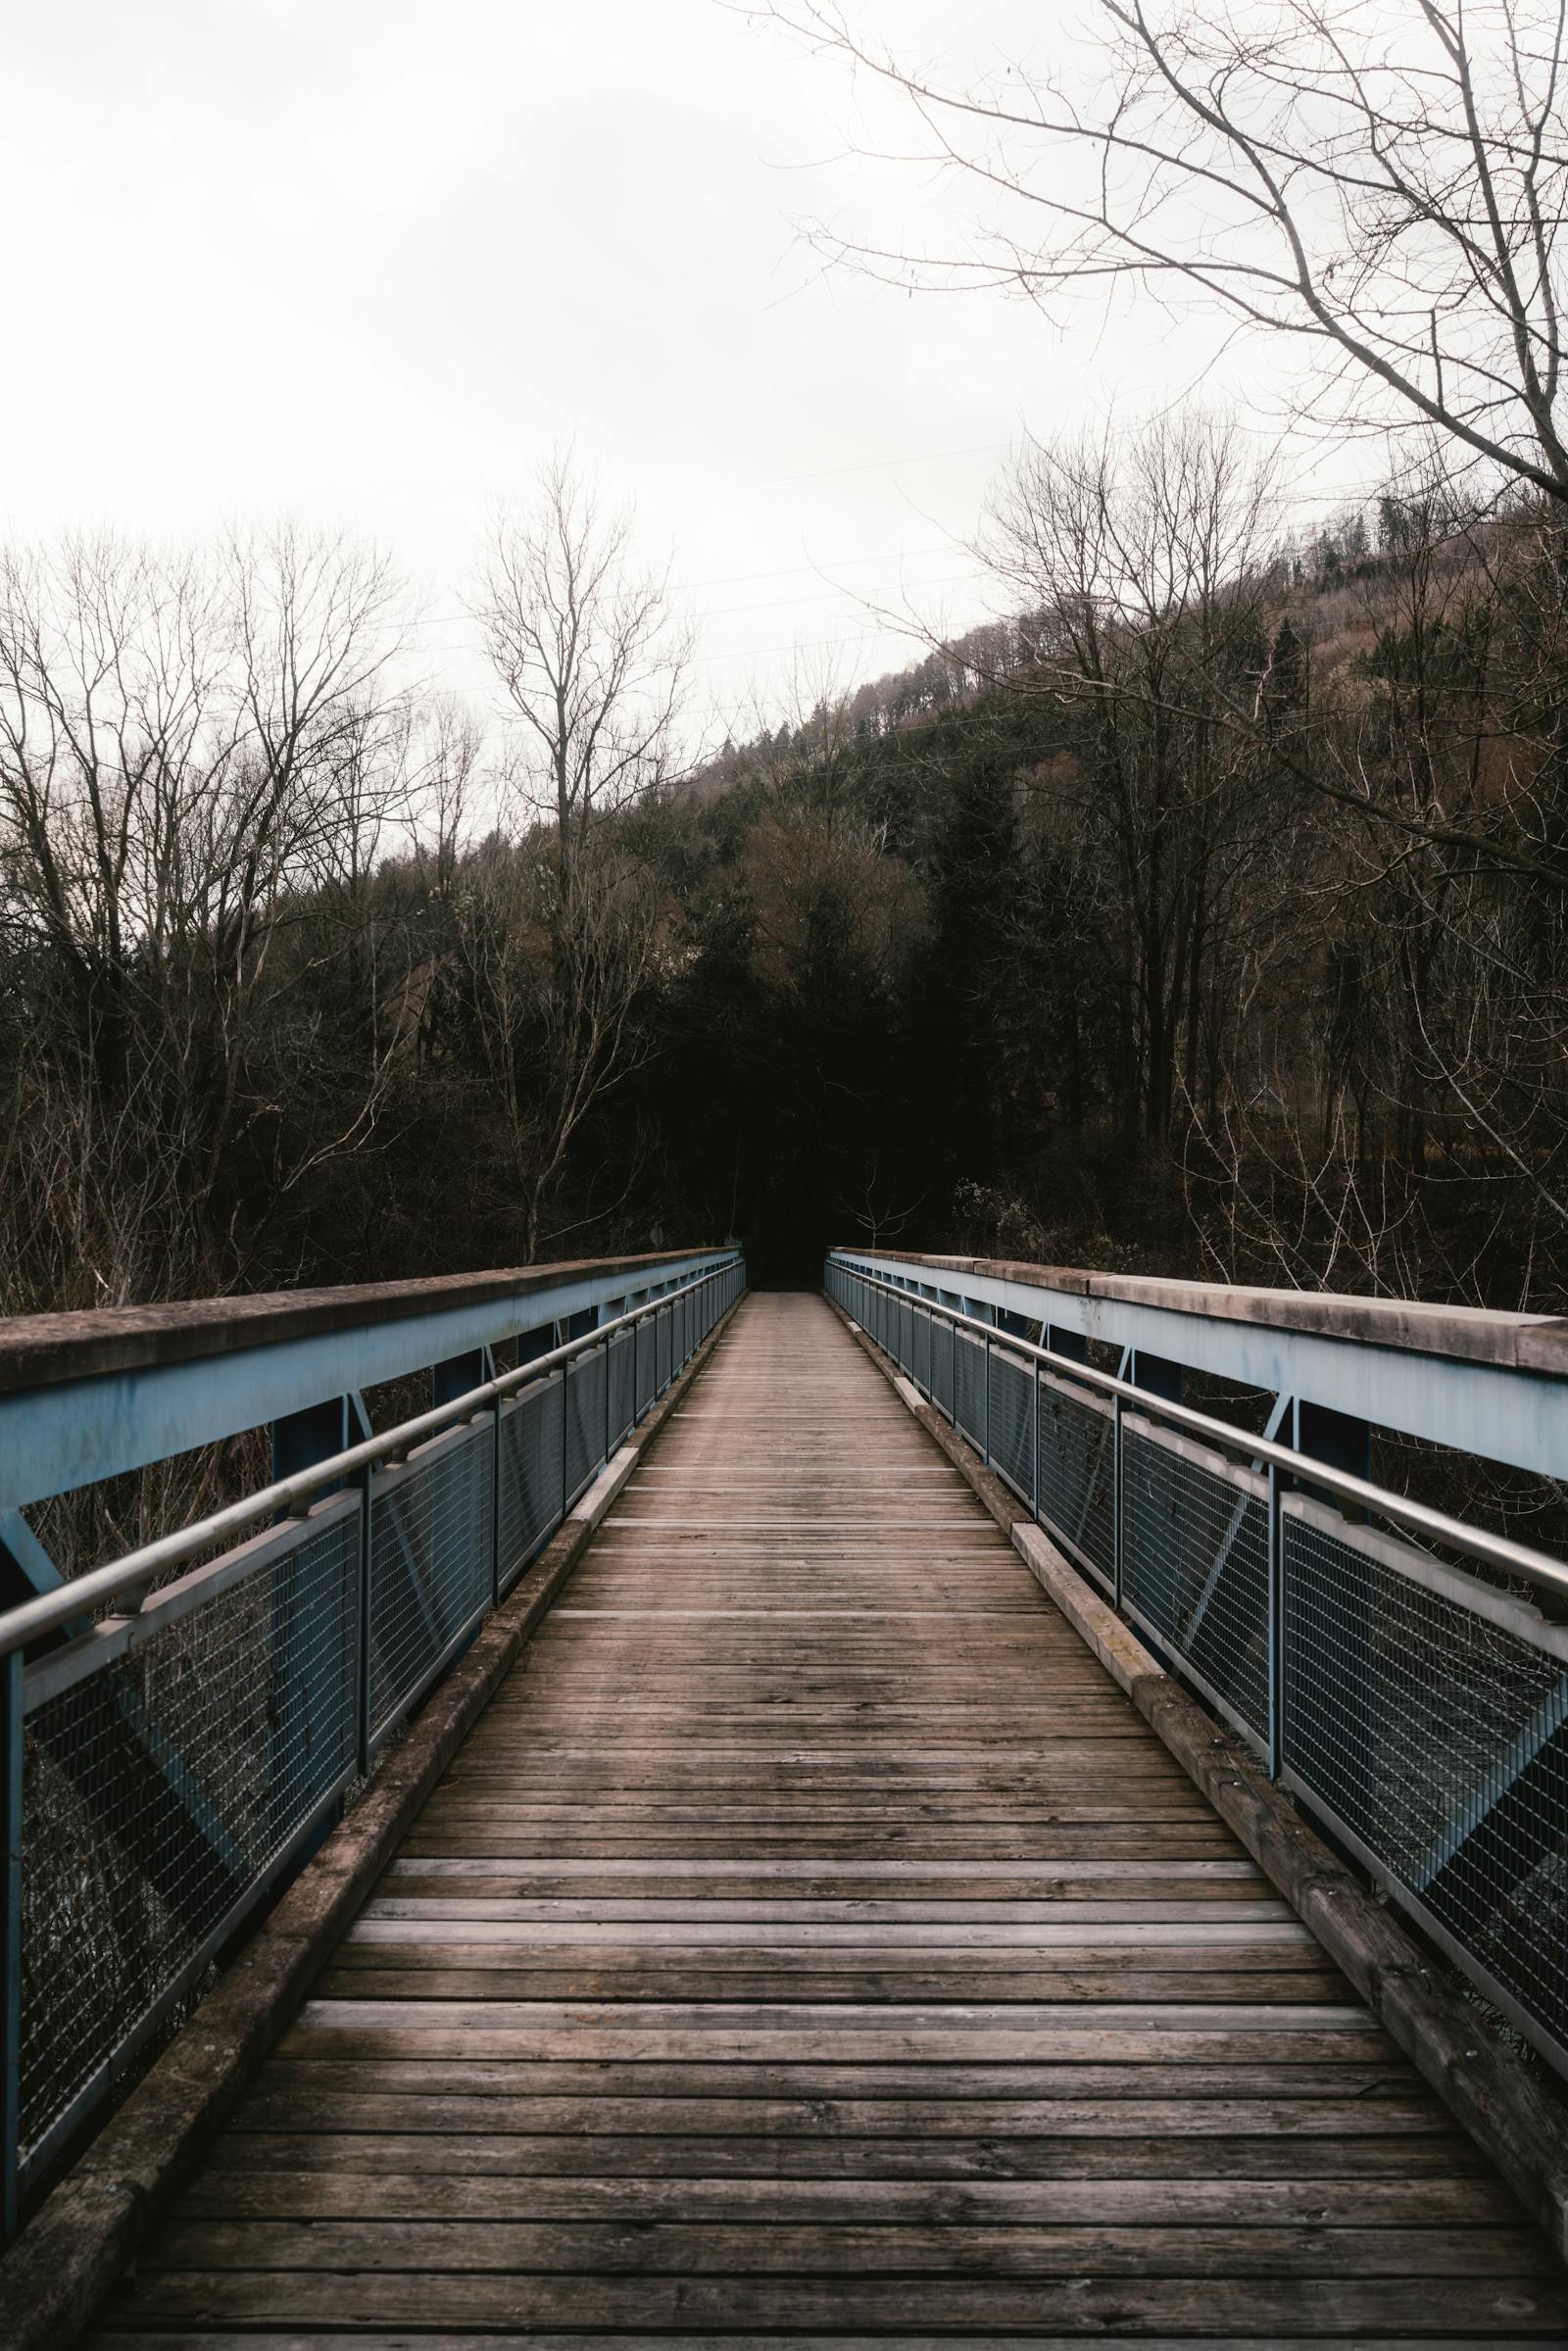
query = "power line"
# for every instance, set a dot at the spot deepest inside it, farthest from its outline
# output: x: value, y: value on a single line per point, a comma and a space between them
x: 784, y: 603
x: 880, y: 465
x: 841, y: 562
x: 738, y: 579
x: 752, y: 653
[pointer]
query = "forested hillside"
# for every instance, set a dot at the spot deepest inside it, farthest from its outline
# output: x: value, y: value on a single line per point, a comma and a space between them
x: 1206, y: 914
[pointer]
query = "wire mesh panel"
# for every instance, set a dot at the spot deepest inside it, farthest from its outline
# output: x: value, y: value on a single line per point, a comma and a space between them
x: 1013, y: 1422
x: 429, y: 1563
x: 644, y: 1335
x: 162, y: 1790
x: 585, y: 1420
x: 943, y: 1367
x: 969, y: 1386
x: 622, y: 1385
x: 1195, y: 1566
x: 1078, y: 1475
x: 1428, y: 1716
x: 529, y: 1475
x: 661, y: 1351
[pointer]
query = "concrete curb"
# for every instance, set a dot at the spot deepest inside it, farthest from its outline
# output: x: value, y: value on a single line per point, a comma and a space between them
x: 1514, y: 2114
x: 90, y: 2226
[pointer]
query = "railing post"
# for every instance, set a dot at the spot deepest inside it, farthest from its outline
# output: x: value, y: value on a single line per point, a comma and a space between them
x: 564, y: 1385
x: 1276, y: 1626
x: 362, y: 1662
x: 987, y: 1446
x: 1119, y: 1510
x: 12, y: 1752
x: 1035, y: 1484
x: 494, y: 1502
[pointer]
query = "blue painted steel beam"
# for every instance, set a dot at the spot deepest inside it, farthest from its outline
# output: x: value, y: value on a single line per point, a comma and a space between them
x: 457, y: 1376
x: 25, y: 1567
x: 11, y: 1824
x: 314, y: 1433
x: 1157, y: 1374
x: 76, y: 1431
x: 1495, y: 1411
x: 1340, y: 1439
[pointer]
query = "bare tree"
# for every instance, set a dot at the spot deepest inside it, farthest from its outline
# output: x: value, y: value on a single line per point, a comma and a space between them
x: 554, y: 1020
x: 1381, y: 185
x: 560, y: 923
x: 449, y: 744
x: 588, y: 651
x: 1141, y: 564
x: 187, y: 746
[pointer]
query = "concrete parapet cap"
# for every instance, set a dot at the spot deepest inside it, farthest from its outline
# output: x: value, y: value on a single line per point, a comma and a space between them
x: 38, y: 1351
x: 1472, y: 1334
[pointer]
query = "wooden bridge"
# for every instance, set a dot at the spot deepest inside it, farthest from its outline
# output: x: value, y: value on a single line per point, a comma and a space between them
x: 811, y: 1941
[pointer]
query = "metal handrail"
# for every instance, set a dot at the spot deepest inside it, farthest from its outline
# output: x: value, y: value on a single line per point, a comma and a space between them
x: 53, y: 1611
x: 1498, y: 1551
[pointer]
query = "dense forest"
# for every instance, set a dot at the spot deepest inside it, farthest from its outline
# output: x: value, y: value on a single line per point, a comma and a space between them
x: 1207, y: 914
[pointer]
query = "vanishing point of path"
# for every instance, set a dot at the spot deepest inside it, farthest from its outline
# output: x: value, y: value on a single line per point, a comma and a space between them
x: 812, y: 1940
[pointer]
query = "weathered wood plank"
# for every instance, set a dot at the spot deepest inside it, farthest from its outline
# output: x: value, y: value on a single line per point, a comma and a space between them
x: 599, y: 1976
x: 393, y: 2145
x: 600, y: 2248
x: 1488, y: 2309
x: 425, y: 2193
x: 623, y: 2340
x: 1352, y: 2076
x: 1177, y: 2117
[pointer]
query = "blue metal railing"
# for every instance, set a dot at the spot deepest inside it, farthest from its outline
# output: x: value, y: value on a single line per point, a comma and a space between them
x: 168, y: 1761
x: 1403, y: 1674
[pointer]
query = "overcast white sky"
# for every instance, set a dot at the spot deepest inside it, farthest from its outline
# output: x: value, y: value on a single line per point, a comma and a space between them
x: 367, y: 259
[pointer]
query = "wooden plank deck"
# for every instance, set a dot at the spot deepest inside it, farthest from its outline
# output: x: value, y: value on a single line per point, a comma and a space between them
x: 810, y: 1942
